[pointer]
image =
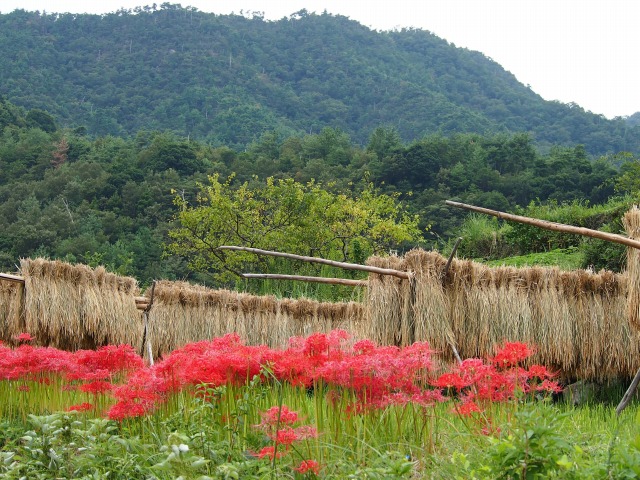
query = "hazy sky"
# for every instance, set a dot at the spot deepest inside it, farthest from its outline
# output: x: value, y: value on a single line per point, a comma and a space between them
x: 582, y: 51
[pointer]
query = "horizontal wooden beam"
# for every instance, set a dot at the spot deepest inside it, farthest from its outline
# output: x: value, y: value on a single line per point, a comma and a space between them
x: 558, y: 227
x: 11, y: 278
x: 302, y: 278
x: 344, y: 265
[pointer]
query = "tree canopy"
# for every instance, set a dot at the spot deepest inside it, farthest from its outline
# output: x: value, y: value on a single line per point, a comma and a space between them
x: 286, y: 216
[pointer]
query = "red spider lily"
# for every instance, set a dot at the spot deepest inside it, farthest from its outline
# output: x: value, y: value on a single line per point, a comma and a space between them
x: 304, y: 432
x: 96, y: 388
x: 511, y: 354
x: 450, y: 380
x: 24, y: 337
x: 112, y: 358
x: 474, y: 370
x: 308, y: 466
x: 127, y: 409
x: 466, y: 408
x: 549, y: 386
x: 284, y: 436
x: 270, y: 453
x: 364, y: 347
x: 83, y: 407
x: 539, y: 371
x: 279, y: 415
x: 139, y: 396
x: 427, y: 398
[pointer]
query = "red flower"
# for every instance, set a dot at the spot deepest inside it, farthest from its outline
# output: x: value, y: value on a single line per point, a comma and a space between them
x: 467, y: 408
x: 308, y: 466
x: 83, y: 407
x: 24, y: 337
x: 540, y: 372
x: 450, y: 380
x: 270, y: 453
x: 96, y: 388
x: 512, y: 353
x: 285, y: 436
x: 549, y: 386
x: 276, y: 415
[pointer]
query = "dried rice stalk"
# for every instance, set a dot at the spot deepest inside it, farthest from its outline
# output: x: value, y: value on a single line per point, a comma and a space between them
x: 72, y: 306
x: 575, y: 319
x: 631, y: 223
x: 11, y: 318
x: 184, y: 313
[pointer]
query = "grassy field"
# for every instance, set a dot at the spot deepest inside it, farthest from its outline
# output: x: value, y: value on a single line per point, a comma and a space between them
x: 323, y: 407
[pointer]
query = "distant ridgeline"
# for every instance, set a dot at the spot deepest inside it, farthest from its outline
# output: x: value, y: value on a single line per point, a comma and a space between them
x: 227, y: 79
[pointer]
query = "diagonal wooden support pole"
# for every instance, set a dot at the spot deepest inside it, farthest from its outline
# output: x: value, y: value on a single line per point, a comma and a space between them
x: 629, y: 394
x: 324, y: 261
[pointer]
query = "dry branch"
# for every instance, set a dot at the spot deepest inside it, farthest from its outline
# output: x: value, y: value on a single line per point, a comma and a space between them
x: 344, y: 265
x: 302, y: 278
x: 558, y: 227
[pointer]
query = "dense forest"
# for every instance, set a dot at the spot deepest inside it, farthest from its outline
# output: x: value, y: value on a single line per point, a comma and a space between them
x: 113, y: 200
x: 226, y: 80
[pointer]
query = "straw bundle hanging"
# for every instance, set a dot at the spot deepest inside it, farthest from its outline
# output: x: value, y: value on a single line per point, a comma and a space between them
x: 431, y: 305
x: 631, y: 223
x: 11, y: 318
x: 72, y: 306
x: 184, y: 313
x: 574, y: 319
x: 389, y: 320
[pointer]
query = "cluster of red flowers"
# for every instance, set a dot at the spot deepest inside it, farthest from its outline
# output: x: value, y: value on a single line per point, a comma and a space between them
x: 501, y: 379
x: 89, y: 371
x: 278, y: 424
x: 378, y: 376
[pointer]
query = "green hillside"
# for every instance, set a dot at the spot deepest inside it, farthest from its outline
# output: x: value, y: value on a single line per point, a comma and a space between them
x: 228, y: 79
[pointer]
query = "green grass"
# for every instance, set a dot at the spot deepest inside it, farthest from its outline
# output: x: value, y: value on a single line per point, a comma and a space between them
x: 566, y: 259
x: 216, y: 437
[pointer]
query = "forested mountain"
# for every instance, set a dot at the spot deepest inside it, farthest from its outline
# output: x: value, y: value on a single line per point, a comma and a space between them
x: 225, y: 80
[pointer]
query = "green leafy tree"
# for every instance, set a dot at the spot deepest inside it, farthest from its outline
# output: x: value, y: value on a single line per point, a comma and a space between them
x: 286, y: 216
x: 629, y: 179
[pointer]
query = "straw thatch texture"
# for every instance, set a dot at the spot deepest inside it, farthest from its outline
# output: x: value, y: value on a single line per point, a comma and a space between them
x: 631, y: 222
x: 576, y: 320
x: 183, y: 313
x: 391, y: 320
x: 73, y: 306
x: 11, y: 318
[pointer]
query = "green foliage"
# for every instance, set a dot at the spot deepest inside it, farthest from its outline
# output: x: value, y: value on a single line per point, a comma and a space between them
x: 481, y: 237
x: 287, y: 216
x: 628, y: 182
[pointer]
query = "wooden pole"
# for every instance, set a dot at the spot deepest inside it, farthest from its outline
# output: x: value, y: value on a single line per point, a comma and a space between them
x: 558, y: 227
x: 146, y: 337
x: 11, y: 278
x: 445, y: 272
x: 346, y: 266
x: 302, y: 278
x: 629, y: 394
x: 453, y: 254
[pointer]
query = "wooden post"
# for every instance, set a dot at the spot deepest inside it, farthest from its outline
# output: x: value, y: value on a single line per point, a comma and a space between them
x: 146, y: 338
x: 629, y: 394
x: 445, y: 272
x: 345, y: 265
x: 558, y: 227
